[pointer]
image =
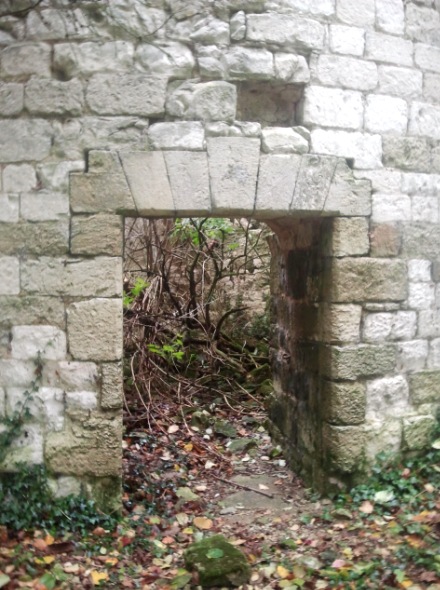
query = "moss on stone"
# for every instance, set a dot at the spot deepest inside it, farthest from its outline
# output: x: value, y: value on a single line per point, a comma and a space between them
x: 217, y: 562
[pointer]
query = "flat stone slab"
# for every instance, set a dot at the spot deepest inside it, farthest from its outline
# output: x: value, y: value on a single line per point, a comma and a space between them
x: 244, y: 500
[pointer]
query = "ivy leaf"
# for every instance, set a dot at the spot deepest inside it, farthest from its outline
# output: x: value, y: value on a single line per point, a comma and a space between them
x: 384, y: 496
x: 4, y: 579
x: 215, y: 553
x: 49, y: 581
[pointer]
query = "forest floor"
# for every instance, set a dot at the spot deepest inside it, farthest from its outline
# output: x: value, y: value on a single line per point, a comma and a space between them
x: 192, y: 474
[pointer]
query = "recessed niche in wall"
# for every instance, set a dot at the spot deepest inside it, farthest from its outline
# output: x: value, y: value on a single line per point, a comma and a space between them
x: 269, y: 104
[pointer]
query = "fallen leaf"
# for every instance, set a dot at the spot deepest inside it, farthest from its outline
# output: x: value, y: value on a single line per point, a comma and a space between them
x: 98, y: 577
x: 261, y: 486
x: 168, y: 540
x: 182, y: 518
x: 173, y: 428
x: 282, y: 572
x: 384, y: 496
x: 40, y: 544
x: 209, y: 464
x: 4, y: 579
x: 186, y: 494
x: 366, y: 507
x: 201, y: 522
x: 111, y: 561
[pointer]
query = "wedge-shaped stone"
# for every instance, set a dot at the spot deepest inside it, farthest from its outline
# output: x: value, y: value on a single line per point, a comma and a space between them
x: 100, y: 193
x: 312, y: 187
x: 148, y: 180
x: 189, y: 178
x: 233, y: 168
x: 347, y: 195
x: 276, y: 182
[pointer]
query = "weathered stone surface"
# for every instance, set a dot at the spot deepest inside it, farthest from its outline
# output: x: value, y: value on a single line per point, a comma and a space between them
x: 366, y: 149
x: 313, y: 183
x: 423, y: 23
x: 205, y: 101
x: 31, y: 139
x: 349, y: 237
x: 89, y: 193
x: 242, y: 63
x: 390, y: 16
x: 389, y: 49
x: 412, y: 355
x: 148, y: 181
x: 30, y: 341
x: 43, y: 97
x: 46, y: 406
x: 66, y: 455
x: 71, y: 375
x: 211, y: 31
x: 347, y: 196
x: 332, y: 107
x: 386, y: 114
x: 407, y: 153
x: 17, y: 373
x: 347, y: 40
x: 362, y: 13
x: 315, y: 7
x: 276, y: 182
x: 174, y: 58
x: 339, y: 323
x: 189, y: 179
x: 87, y: 58
x: 344, y: 403
x: 352, y: 362
x: 382, y: 435
x: 401, y: 325
x: 402, y: 82
x: 126, y: 94
x: 344, y: 447
x: 9, y: 208
x: 367, y: 279
x: 421, y: 240
x: 387, y: 397
x: 11, y: 99
x: 427, y: 57
x: 96, y: 235
x: 388, y: 208
x: 425, y: 387
x: 19, y: 178
x: 100, y: 276
x: 283, y: 140
x: 82, y: 400
x: 26, y: 59
x: 291, y: 69
x: 44, y: 206
x: 385, y: 240
x: 27, y: 448
x: 431, y: 88
x: 425, y: 120
x: 345, y: 72
x: 233, y: 167
x: 285, y: 30
x: 9, y: 275
x: 177, y: 136
x: 94, y: 330
x: 418, y: 431
x: 49, y: 238
x: 32, y: 310
x: 112, y: 386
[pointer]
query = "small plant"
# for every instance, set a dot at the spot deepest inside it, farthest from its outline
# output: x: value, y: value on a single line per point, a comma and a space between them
x: 171, y: 352
x: 138, y: 288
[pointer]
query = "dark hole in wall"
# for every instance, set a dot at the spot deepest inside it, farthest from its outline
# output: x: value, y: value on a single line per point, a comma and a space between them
x: 269, y: 104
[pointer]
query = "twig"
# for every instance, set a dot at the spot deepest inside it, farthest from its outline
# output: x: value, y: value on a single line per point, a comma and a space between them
x: 242, y: 486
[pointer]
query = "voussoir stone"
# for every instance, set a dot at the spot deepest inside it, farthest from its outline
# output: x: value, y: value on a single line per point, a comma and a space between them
x: 276, y: 182
x: 189, y: 179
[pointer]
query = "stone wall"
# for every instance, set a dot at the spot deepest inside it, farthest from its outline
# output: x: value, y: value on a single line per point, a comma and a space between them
x: 226, y: 107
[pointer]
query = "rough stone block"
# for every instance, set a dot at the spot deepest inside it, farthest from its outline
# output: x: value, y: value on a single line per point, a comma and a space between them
x: 17, y: 373
x: 96, y: 193
x: 382, y: 435
x: 385, y: 240
x: 362, y: 13
x: 291, y: 69
x: 189, y: 179
x: 49, y: 238
x: 434, y: 354
x: 389, y: 49
x: 332, y: 107
x: 323, y: 8
x: 344, y: 447
x: 237, y: 25
x: 347, y: 40
x: 55, y: 175
x: 70, y: 456
x: 419, y: 270
x: 242, y: 63
x: 425, y: 120
x: 421, y: 240
x: 19, y: 178
x: 429, y: 323
x: 427, y: 57
x: 344, y: 403
x: 112, y: 386
x: 401, y: 325
x: 83, y: 400
x: 407, y: 153
x: 43, y: 97
x: 31, y: 140
x: 384, y: 181
x: 233, y: 167
x: 211, y: 63
x: 210, y: 31
x: 204, y: 101
x: 367, y: 279
x: 26, y: 59
x: 418, y: 431
x: 180, y: 135
x: 431, y: 88
x: 94, y: 330
x: 284, y: 30
x: 366, y: 149
x: 83, y: 59
x: 386, y: 114
x: 387, y: 207
x: 9, y: 208
x: 71, y: 375
x: 346, y: 72
x: 313, y: 183
x: 27, y: 448
x: 148, y: 181
x: 339, y: 323
x: 96, y: 235
x: 423, y: 23
x: 127, y: 94
x: 387, y: 397
x: 390, y: 16
x: 352, y: 362
x: 29, y: 342
x: 11, y: 99
x: 100, y: 277
x: 349, y: 237
x: 9, y: 275
x: 174, y: 58
x: 46, y: 406
x: 425, y: 387
x: 412, y: 355
x: 348, y: 196
x: 32, y: 310
x: 420, y: 184
x: 276, y: 181
x: 424, y: 209
x: 402, y: 82
x: 283, y: 140
x: 421, y: 295
x: 44, y: 206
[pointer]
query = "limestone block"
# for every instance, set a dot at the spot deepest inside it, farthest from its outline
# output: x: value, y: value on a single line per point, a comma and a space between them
x: 211, y: 62
x: 46, y: 405
x: 291, y: 69
x: 427, y: 57
x: 429, y: 323
x: 140, y: 19
x: 29, y: 342
x: 390, y: 16
x: 402, y: 82
x: 126, y: 94
x: 54, y: 24
x: 112, y: 386
x: 205, y: 101
x: 55, y: 175
x: 412, y: 355
x: 210, y: 31
x: 419, y: 270
x: 421, y: 295
x: 233, y: 168
x: 367, y: 279
x: 389, y: 49
x: 385, y: 240
x: 425, y: 387
x: 31, y: 140
x: 348, y: 196
x: 49, y: 238
x: 332, y: 107
x: 315, y: 7
x: 344, y: 403
x: 344, y: 447
x: 349, y: 237
x: 382, y: 435
x: 27, y: 448
x: 401, y: 325
x: 347, y: 40
x: 276, y: 181
x: 176, y: 59
x: 425, y: 120
x: 237, y: 26
x: 43, y: 97
x: 386, y: 114
x: 242, y: 63
x: 32, y: 310
x: 100, y: 193
x: 68, y: 455
x: 84, y: 59
x: 352, y: 362
x: 16, y: 373
x: 65, y: 486
x: 94, y: 330
x: 285, y: 30
x: 237, y: 129
x: 420, y: 184
x: 366, y: 149
x: 386, y: 207
x: 84, y: 400
x: 283, y: 140
x: 44, y: 206
x: 19, y: 178
x: 339, y: 323
x: 180, y: 135
x: 384, y: 181
x: 9, y: 275
x: 11, y: 99
x: 9, y: 208
x: 434, y: 354
x: 26, y: 59
x: 421, y: 240
x: 71, y: 375
x: 148, y: 181
x: 423, y: 23
x: 418, y: 431
x: 313, y: 183
x: 95, y: 235
x: 362, y: 13
x: 407, y: 153
x: 431, y: 88
x: 348, y: 72
x: 189, y: 179
x: 97, y: 277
